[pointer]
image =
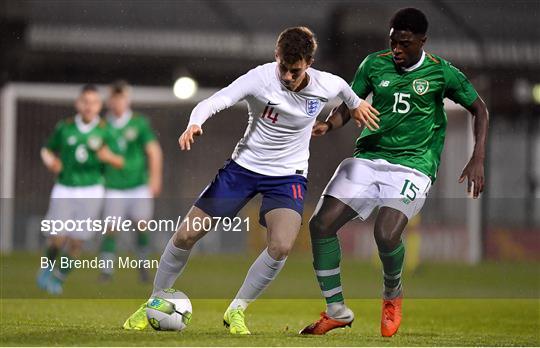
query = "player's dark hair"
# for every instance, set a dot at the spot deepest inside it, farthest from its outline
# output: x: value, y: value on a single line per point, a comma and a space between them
x: 89, y: 88
x: 410, y: 19
x: 296, y: 43
x: 120, y: 87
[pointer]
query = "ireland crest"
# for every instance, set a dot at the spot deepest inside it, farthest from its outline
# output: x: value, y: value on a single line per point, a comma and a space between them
x: 130, y: 133
x: 420, y: 86
x: 312, y: 106
x: 94, y: 142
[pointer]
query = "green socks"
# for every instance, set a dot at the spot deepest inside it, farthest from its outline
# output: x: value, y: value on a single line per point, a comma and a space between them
x: 62, y: 271
x: 392, y: 267
x: 326, y: 259
x: 143, y: 243
x: 108, y: 251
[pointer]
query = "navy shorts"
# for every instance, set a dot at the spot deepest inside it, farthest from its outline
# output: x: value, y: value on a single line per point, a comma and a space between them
x: 235, y: 185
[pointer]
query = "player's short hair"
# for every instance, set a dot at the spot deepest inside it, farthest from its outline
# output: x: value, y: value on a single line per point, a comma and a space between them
x: 296, y: 43
x: 89, y: 88
x: 120, y: 87
x: 410, y: 19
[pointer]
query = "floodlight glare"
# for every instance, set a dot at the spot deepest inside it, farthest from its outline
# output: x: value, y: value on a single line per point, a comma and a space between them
x: 185, y: 87
x: 536, y: 93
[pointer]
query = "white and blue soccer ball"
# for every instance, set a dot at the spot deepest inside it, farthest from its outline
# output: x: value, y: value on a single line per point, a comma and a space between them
x: 169, y: 310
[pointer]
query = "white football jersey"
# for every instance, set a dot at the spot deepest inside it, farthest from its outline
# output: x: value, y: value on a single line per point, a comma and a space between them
x: 276, y: 140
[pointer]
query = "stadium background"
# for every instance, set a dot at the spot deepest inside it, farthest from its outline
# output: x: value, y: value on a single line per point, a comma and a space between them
x: 49, y: 49
x: 60, y: 42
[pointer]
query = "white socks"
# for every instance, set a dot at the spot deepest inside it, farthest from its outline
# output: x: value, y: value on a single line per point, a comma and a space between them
x: 172, y: 263
x: 339, y: 311
x: 261, y: 273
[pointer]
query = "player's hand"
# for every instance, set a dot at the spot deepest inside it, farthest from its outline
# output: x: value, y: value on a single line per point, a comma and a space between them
x: 366, y: 115
x: 188, y: 137
x: 104, y: 154
x: 474, y: 172
x: 56, y: 166
x: 155, y: 186
x: 53, y: 163
x: 320, y: 128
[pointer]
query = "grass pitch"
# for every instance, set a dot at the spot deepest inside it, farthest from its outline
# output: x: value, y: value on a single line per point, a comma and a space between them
x: 437, y: 322
x: 446, y: 305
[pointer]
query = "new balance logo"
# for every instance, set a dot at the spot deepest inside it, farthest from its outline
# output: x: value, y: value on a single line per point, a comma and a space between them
x: 384, y: 83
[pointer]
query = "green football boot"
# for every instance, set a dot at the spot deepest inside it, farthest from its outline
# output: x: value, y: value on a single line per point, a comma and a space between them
x: 234, y: 320
x: 138, y: 320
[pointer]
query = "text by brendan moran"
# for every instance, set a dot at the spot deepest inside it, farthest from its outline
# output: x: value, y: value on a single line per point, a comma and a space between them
x: 96, y: 263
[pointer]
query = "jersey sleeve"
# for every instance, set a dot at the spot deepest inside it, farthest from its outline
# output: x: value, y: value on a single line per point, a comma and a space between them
x: 54, y: 142
x: 361, y: 84
x: 247, y: 84
x: 458, y: 88
x: 347, y: 95
x: 146, y: 132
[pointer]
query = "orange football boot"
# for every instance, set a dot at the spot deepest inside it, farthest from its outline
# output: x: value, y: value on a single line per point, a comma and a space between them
x: 391, y: 316
x: 323, y: 325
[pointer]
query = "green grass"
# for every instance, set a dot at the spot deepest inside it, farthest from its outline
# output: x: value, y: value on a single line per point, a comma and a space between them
x: 218, y: 277
x: 492, y: 304
x: 273, y: 323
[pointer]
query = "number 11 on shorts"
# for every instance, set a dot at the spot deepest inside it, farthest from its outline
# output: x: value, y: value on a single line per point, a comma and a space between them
x: 297, y: 191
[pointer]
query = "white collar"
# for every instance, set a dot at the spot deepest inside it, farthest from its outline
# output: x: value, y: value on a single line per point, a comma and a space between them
x: 415, y: 66
x: 119, y: 122
x: 85, y: 127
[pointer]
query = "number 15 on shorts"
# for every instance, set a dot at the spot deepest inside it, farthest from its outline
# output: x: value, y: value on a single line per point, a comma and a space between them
x: 409, y: 190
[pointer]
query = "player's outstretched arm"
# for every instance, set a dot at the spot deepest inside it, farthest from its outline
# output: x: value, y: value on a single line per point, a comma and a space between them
x: 188, y: 137
x: 474, y: 170
x: 337, y: 118
x: 51, y: 161
x: 105, y: 155
x: 366, y: 115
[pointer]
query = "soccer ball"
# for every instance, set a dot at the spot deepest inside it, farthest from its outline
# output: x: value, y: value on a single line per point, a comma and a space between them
x: 169, y: 310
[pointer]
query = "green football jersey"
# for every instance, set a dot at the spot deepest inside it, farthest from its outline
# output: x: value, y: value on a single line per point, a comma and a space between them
x: 76, y: 148
x: 130, y: 139
x: 412, y: 120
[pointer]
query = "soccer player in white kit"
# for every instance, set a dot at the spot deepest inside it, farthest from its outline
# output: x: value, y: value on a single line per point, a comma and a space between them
x: 284, y: 99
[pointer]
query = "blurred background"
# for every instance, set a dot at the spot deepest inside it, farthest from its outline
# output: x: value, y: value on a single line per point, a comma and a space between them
x: 48, y: 49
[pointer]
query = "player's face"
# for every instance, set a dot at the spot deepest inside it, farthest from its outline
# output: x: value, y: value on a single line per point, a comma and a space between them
x: 406, y: 47
x: 89, y: 105
x: 292, y: 75
x: 118, y: 103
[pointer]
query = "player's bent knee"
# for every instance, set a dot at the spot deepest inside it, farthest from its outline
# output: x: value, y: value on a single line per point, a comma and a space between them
x: 184, y: 241
x: 318, y: 229
x: 279, y: 251
x: 387, y: 239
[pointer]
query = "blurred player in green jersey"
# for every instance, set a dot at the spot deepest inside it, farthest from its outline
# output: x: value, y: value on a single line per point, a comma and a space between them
x: 130, y: 190
x: 76, y: 152
x: 394, y: 164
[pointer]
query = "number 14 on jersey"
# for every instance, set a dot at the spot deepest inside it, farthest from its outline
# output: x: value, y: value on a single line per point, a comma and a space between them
x: 269, y: 114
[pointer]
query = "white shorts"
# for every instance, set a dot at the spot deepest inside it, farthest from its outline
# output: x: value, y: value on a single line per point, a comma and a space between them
x: 368, y: 184
x: 76, y: 203
x: 131, y: 204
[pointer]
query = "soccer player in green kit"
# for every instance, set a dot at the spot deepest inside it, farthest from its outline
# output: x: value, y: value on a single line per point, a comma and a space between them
x: 75, y: 152
x: 130, y: 190
x: 394, y: 163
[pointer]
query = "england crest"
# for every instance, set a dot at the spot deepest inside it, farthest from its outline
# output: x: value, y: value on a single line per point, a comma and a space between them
x: 312, y: 106
x: 420, y: 86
